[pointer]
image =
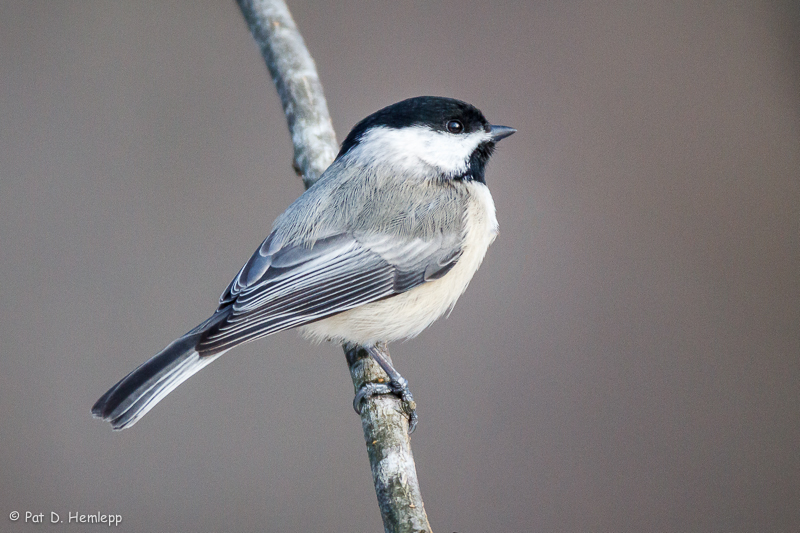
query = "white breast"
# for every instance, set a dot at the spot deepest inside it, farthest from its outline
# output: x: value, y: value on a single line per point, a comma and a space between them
x: 406, y: 315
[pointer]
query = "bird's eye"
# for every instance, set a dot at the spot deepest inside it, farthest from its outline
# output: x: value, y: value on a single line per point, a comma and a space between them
x: 455, y: 126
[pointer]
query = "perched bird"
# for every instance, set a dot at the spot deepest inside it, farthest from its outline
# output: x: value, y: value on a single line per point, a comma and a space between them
x: 380, y: 247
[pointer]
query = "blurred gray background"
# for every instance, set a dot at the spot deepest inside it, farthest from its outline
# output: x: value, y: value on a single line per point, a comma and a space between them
x: 627, y: 358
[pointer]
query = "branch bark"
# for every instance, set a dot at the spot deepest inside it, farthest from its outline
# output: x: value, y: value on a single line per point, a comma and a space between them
x: 385, y: 426
x: 389, y: 448
x: 295, y: 77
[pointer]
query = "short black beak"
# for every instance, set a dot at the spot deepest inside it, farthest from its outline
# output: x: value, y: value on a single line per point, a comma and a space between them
x: 500, y: 132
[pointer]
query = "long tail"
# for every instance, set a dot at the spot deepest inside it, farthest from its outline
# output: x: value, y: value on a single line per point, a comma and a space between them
x: 138, y: 392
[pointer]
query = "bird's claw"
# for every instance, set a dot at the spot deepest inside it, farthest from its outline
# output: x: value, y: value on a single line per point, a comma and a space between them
x: 400, y: 388
x: 367, y: 391
x: 397, y: 387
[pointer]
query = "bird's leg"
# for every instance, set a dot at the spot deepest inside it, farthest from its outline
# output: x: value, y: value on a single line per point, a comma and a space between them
x: 398, y: 385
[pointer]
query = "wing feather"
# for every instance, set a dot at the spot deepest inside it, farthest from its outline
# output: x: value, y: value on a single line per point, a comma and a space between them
x: 282, y: 287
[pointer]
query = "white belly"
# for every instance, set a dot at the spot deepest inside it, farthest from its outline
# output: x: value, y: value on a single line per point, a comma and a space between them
x: 407, y: 314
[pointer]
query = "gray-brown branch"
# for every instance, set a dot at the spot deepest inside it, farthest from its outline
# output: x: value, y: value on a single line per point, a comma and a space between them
x: 382, y: 419
x: 295, y: 76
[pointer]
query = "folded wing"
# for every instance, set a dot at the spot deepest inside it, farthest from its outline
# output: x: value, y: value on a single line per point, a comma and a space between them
x: 281, y: 287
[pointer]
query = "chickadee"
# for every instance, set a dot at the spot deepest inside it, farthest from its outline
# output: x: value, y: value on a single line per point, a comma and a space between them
x: 380, y: 247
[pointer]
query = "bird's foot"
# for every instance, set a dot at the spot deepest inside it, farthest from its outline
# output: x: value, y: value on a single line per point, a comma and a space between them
x: 367, y: 391
x: 398, y: 387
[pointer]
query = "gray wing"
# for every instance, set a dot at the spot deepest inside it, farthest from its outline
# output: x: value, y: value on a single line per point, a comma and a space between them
x: 282, y: 287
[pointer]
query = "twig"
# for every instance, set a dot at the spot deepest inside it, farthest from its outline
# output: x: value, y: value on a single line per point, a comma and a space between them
x: 386, y: 434
x: 295, y: 76
x: 382, y: 419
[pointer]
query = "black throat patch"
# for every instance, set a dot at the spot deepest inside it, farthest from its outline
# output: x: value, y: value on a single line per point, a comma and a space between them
x: 476, y: 168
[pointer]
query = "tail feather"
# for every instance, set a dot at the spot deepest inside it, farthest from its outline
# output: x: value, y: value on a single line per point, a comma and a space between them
x: 138, y: 392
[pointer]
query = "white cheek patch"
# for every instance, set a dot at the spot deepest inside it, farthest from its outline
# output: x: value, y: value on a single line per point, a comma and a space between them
x: 417, y: 149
